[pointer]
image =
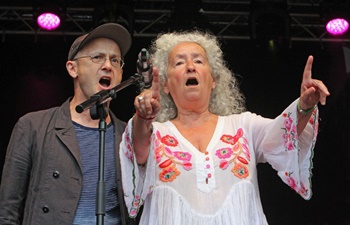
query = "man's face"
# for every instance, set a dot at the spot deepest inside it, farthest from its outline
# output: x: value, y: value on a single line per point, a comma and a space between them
x: 98, y: 68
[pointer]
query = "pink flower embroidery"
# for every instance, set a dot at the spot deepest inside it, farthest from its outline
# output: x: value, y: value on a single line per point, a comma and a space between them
x: 168, y: 159
x: 224, y: 153
x: 303, y: 190
x: 238, y: 154
x: 290, y: 132
x: 168, y: 151
x: 137, y: 202
x: 292, y: 183
x: 133, y: 212
x: 288, y: 123
x: 128, y: 152
x: 184, y: 156
x: 289, y: 145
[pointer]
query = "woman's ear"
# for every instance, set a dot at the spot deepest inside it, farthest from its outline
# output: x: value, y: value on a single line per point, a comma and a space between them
x: 165, y: 88
x: 71, y: 67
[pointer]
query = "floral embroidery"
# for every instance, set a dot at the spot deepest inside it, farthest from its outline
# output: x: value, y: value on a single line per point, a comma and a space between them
x: 224, y: 164
x: 294, y: 184
x: 224, y: 153
x: 184, y: 156
x: 169, y: 174
x: 314, y: 122
x: 290, y: 132
x: 240, y: 170
x: 136, y: 203
x: 169, y: 140
x: 163, y: 149
x: 129, y: 151
x: 238, y: 154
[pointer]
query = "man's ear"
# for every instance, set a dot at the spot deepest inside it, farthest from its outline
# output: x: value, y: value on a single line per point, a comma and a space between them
x: 71, y: 67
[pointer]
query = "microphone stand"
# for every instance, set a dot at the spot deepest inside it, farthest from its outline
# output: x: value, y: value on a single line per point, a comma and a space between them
x: 99, y: 110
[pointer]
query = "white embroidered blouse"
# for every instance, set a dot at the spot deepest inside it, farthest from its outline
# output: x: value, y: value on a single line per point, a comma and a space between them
x: 182, y: 186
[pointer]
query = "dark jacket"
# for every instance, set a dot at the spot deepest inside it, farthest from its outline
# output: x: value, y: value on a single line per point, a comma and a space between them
x: 42, y: 176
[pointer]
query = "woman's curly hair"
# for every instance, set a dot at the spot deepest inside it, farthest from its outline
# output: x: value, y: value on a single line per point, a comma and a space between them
x: 225, y: 99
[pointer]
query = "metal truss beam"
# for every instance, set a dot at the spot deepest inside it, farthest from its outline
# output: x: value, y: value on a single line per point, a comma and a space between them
x: 226, y: 19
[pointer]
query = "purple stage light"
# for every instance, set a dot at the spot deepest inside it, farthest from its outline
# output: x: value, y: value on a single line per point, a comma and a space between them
x: 48, y: 21
x: 337, y: 26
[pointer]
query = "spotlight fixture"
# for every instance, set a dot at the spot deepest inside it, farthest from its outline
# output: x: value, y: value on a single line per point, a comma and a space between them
x: 49, y: 16
x: 336, y: 17
x: 337, y: 26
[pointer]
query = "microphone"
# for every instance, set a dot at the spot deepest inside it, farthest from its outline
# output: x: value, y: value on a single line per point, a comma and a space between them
x: 144, y: 68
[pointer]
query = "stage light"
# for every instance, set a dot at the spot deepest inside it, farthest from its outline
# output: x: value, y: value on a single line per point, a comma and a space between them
x: 49, y: 16
x: 337, y: 26
x: 48, y: 21
x: 336, y: 17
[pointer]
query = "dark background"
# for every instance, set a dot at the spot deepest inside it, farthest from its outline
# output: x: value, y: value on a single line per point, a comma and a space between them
x: 33, y: 77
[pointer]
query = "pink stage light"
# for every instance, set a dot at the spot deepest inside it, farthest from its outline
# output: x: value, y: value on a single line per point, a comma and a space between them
x: 49, y: 21
x: 337, y: 26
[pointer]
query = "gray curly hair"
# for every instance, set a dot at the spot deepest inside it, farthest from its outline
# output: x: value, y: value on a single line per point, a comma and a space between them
x: 225, y: 99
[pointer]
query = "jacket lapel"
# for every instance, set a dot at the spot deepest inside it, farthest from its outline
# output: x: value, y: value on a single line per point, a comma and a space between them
x: 66, y: 133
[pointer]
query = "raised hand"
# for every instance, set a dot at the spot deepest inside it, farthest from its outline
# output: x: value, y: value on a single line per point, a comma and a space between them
x: 148, y: 102
x: 312, y: 90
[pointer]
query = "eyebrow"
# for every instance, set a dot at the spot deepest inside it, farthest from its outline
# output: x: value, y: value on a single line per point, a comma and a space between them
x: 193, y: 55
x: 103, y: 53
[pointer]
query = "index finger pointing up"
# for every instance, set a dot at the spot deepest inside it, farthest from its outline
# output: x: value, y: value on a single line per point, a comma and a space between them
x: 155, y: 83
x: 308, y: 69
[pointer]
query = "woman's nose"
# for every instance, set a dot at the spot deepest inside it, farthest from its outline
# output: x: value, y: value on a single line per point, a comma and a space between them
x: 190, y: 66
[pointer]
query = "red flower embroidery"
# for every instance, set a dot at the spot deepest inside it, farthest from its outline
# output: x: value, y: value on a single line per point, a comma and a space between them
x: 223, y: 164
x: 187, y: 165
x: 229, y: 139
x: 164, y: 151
x: 169, y: 140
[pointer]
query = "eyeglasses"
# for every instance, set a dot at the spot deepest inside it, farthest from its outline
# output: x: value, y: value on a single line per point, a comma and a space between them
x: 100, y: 59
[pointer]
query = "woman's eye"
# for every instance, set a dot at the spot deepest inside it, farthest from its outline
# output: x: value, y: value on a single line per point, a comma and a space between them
x: 198, y: 61
x: 178, y: 63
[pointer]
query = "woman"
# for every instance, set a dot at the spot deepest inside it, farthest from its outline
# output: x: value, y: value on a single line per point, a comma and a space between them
x: 197, y: 163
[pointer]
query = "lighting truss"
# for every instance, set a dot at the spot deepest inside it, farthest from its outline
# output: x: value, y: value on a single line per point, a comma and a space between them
x: 227, y: 19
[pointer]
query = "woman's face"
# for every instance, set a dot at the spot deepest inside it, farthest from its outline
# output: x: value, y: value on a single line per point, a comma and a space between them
x: 189, y: 76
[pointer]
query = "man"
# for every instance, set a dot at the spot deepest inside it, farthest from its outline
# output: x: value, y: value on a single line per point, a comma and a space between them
x: 51, y: 168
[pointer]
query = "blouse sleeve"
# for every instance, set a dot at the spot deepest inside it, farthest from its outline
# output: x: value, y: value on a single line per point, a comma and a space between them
x: 137, y: 180
x: 290, y: 153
